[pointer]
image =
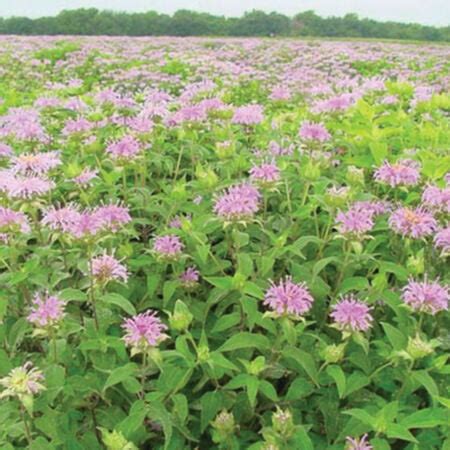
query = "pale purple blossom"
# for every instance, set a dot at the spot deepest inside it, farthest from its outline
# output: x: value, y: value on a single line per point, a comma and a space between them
x: 442, y: 240
x: 85, y: 177
x: 265, y: 174
x: 35, y: 163
x: 416, y: 223
x: 144, y: 331
x: 356, y: 221
x: 248, y: 115
x: 350, y: 314
x: 46, y: 311
x: 288, y: 297
x: 126, y: 148
x: 358, y: 443
x: 405, y: 172
x: 106, y: 268
x: 314, y: 132
x: 238, y: 203
x: 168, y: 246
x: 429, y: 297
x: 22, y: 382
x: 190, y: 277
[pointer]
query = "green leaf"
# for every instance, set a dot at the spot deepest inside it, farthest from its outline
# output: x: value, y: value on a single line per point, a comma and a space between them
x: 253, y: 290
x: 73, y: 295
x: 245, y: 340
x: 120, y: 374
x: 252, y: 385
x: 158, y: 413
x: 362, y: 415
x: 211, y: 403
x: 394, y: 430
x: 120, y: 301
x: 426, y: 418
x: 305, y: 360
x: 301, y: 439
x: 397, y: 339
x: 356, y: 381
x: 224, y: 283
x: 353, y: 284
x: 338, y: 376
x: 425, y: 379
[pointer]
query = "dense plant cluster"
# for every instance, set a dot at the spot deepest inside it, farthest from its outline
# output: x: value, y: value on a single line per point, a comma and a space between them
x: 91, y: 21
x: 223, y: 244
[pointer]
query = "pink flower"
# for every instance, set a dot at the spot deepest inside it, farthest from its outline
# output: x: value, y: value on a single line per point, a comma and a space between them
x: 113, y: 216
x: 429, y: 297
x: 126, y: 148
x: 442, y: 240
x: 168, y: 246
x: 248, y: 115
x: 106, y: 268
x: 287, y: 297
x: 314, y: 132
x: 75, y: 126
x: 356, y: 221
x: 358, y: 443
x: 415, y: 223
x: 85, y: 177
x: 60, y: 219
x: 190, y: 277
x: 438, y: 199
x: 16, y: 186
x: 46, y: 311
x: 351, y: 314
x: 12, y: 221
x: 35, y: 163
x: 143, y: 331
x: 265, y: 173
x: 404, y: 172
x: 5, y: 150
x: 280, y: 93
x: 238, y: 203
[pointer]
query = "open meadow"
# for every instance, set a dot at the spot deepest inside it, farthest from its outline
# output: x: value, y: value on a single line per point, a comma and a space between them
x: 224, y: 243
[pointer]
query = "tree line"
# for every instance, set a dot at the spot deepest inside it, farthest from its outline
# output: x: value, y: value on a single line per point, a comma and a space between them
x: 91, y: 21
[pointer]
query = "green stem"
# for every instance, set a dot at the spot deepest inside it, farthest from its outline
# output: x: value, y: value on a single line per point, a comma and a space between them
x: 25, y: 422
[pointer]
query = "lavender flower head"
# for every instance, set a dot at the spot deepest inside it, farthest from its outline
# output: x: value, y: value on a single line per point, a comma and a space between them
x: 405, y: 172
x: 190, y: 277
x: 266, y: 174
x: 12, y: 222
x: 35, y: 163
x: 238, y: 203
x: 442, y: 240
x: 22, y: 382
x: 143, y: 331
x: 350, y: 314
x: 248, y: 115
x: 314, y: 132
x: 416, y: 223
x: 106, y: 268
x: 168, y: 247
x: 358, y: 443
x: 288, y: 297
x: 356, y: 221
x: 85, y: 177
x: 126, y: 148
x: 437, y: 199
x: 429, y: 297
x: 46, y: 311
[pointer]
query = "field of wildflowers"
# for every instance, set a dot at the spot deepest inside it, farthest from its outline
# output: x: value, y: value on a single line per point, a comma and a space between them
x: 223, y: 244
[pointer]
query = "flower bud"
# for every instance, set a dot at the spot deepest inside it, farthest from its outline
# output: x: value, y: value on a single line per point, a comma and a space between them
x: 311, y: 171
x: 337, y: 197
x: 257, y: 365
x: 224, y: 426
x: 225, y: 149
x: 181, y: 317
x: 203, y: 353
x: 355, y: 176
x: 115, y: 440
x: 206, y: 177
x: 417, y: 348
x: 333, y: 353
x: 282, y: 423
x: 416, y: 264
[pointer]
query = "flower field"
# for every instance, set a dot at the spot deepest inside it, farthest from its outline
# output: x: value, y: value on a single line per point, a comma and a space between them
x: 224, y: 244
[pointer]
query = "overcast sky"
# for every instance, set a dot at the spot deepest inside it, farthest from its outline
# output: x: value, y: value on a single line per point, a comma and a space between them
x: 431, y: 12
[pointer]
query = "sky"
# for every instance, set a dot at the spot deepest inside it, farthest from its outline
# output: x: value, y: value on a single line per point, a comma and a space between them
x: 428, y: 12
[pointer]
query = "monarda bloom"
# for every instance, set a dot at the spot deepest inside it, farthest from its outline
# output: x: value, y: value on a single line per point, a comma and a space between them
x: 190, y: 277
x: 437, y: 199
x: 314, y: 132
x: 442, y: 240
x: 113, y: 216
x: 248, y: 115
x: 24, y: 187
x: 85, y: 177
x: 357, y: 443
x: 143, y: 331
x: 405, y: 172
x: 46, y: 311
x: 22, y: 382
x: 350, y: 314
x: 429, y: 297
x: 288, y: 298
x: 12, y: 222
x: 356, y: 221
x: 126, y: 148
x: 106, y: 268
x: 238, y: 203
x: 265, y: 174
x: 5, y: 150
x: 35, y: 163
x: 415, y: 223
x: 168, y: 247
